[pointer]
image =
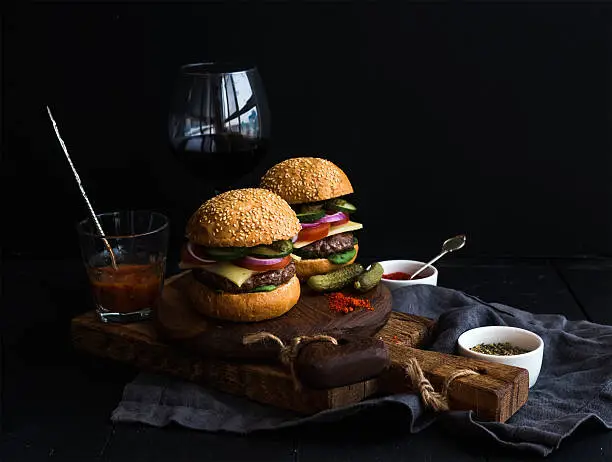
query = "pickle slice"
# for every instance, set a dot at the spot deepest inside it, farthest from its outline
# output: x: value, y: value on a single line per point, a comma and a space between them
x: 277, y: 249
x: 311, y: 207
x: 226, y: 253
x: 309, y: 217
x: 340, y: 205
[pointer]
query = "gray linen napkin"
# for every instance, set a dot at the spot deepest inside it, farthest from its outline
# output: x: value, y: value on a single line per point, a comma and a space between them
x: 575, y: 383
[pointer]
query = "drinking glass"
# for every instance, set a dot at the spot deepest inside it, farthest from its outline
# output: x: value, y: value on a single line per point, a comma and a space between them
x: 219, y: 123
x: 127, y: 284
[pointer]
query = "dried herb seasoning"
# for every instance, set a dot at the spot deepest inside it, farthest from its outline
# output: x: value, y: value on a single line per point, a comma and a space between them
x: 498, y: 349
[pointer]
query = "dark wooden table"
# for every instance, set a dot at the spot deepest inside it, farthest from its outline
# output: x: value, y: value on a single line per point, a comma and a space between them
x: 57, y: 403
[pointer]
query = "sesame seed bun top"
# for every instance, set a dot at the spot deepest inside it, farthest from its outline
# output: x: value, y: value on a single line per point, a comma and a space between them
x: 243, y: 218
x: 306, y: 179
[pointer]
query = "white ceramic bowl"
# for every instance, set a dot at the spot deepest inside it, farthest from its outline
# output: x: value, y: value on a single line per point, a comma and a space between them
x: 532, y: 360
x: 428, y: 276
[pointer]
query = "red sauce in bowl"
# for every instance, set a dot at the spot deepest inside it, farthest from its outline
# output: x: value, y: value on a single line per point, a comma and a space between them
x: 401, y: 276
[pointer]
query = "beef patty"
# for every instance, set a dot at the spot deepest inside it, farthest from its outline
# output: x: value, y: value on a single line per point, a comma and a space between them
x: 327, y: 246
x: 274, y: 277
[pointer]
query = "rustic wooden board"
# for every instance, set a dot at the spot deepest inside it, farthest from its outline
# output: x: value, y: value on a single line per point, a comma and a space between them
x: 495, y: 394
x: 140, y: 345
x: 357, y: 357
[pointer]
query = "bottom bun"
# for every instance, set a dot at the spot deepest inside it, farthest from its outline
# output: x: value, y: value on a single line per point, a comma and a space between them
x: 311, y: 267
x: 247, y: 307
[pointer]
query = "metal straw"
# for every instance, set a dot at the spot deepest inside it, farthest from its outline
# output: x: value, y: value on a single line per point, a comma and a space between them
x: 78, y: 180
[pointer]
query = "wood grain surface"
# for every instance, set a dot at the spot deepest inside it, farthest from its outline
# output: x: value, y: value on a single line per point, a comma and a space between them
x: 357, y: 357
x: 176, y: 320
x: 495, y: 393
x: 140, y: 345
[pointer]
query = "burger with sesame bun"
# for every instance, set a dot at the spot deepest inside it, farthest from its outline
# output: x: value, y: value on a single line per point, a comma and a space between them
x: 239, y: 250
x: 315, y: 189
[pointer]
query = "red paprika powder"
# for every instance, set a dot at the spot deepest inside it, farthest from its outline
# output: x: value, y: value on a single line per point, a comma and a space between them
x: 346, y: 304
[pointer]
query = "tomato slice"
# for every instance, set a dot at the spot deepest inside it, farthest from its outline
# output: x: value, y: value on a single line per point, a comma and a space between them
x: 249, y: 264
x: 340, y: 222
x: 315, y: 233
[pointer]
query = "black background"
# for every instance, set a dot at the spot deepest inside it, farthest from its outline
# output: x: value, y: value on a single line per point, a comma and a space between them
x: 493, y: 120
x: 489, y: 119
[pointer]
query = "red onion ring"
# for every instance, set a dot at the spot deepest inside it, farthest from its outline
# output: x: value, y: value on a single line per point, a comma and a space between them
x: 294, y: 238
x: 310, y: 225
x: 260, y: 261
x: 203, y: 260
x: 334, y: 217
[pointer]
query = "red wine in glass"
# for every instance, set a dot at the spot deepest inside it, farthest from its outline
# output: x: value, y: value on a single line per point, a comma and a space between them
x: 219, y: 123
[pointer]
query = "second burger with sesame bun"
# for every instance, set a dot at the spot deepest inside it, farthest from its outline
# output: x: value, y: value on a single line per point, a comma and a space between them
x: 315, y: 187
x: 239, y: 250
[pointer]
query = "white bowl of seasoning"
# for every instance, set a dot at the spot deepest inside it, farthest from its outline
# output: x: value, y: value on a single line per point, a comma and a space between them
x: 529, y: 347
x: 395, y: 269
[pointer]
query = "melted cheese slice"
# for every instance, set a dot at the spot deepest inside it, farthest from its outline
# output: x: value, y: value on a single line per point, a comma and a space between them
x: 234, y: 273
x: 345, y: 228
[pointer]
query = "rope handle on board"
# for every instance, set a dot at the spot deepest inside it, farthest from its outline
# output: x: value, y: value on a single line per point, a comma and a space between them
x: 288, y: 353
x: 437, y: 401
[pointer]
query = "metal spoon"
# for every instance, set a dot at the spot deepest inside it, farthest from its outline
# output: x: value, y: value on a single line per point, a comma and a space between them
x: 450, y: 245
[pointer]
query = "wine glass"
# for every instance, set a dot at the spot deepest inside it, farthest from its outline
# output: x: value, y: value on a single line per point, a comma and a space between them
x: 219, y: 123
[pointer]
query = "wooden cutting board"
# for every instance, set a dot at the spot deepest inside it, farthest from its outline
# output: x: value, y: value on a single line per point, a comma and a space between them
x: 357, y: 356
x: 494, y: 393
